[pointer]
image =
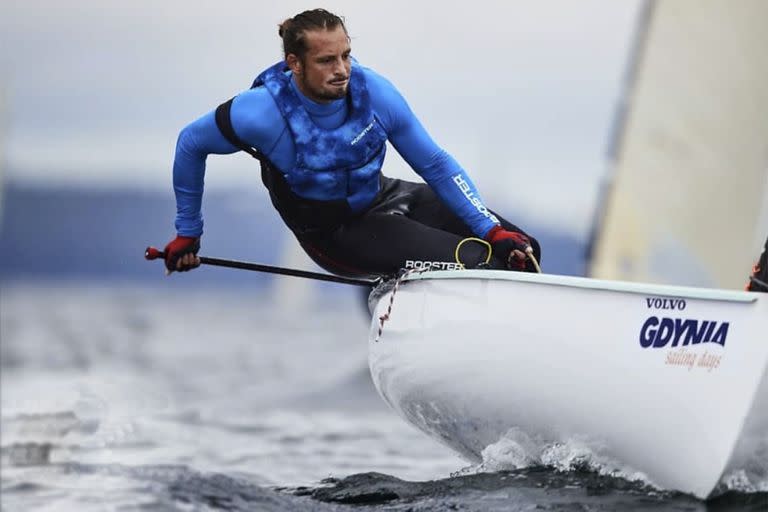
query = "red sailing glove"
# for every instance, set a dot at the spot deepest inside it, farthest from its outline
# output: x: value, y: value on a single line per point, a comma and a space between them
x: 510, y: 246
x: 177, y: 248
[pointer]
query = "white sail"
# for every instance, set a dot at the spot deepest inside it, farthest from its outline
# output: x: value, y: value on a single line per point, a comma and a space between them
x: 688, y: 201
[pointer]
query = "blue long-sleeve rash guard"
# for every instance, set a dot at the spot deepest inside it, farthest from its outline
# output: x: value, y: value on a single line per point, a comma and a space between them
x: 258, y: 122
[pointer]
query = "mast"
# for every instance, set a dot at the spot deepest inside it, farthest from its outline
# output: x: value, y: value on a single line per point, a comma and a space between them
x: 3, y: 161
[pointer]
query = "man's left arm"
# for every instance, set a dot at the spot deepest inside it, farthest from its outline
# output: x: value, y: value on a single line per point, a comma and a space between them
x: 438, y: 168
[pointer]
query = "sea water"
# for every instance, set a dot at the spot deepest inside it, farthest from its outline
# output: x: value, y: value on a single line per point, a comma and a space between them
x: 124, y: 397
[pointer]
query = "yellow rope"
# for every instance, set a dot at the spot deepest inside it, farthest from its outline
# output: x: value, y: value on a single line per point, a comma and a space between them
x: 472, y: 239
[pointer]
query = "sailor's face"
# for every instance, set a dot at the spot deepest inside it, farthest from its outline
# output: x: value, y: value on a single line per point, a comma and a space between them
x: 323, y: 74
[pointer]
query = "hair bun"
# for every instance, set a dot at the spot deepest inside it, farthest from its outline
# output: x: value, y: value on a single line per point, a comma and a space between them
x: 284, y: 26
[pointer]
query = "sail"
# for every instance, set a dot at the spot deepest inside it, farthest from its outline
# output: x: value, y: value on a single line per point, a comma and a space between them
x: 688, y: 199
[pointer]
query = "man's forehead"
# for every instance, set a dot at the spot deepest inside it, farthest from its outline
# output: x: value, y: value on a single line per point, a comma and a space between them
x: 327, y: 41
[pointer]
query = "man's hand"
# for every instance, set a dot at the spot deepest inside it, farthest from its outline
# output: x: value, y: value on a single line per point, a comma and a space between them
x: 181, y: 254
x: 510, y: 246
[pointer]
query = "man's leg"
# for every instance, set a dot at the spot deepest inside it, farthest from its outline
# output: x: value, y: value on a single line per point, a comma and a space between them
x: 429, y: 210
x: 407, y: 227
x: 384, y: 243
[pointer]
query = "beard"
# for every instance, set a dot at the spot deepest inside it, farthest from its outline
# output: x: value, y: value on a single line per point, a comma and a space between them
x: 325, y: 93
x: 342, y: 92
x: 332, y: 92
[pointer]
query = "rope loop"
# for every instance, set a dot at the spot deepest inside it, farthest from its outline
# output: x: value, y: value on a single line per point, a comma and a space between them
x: 473, y: 239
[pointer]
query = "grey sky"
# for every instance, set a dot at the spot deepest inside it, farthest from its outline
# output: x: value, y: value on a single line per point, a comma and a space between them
x: 522, y: 93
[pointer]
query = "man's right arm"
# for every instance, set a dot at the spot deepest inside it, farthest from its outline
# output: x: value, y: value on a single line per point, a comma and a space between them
x: 255, y: 119
x: 196, y: 141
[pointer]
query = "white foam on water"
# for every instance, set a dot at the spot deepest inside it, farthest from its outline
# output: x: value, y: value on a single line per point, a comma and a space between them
x: 517, y: 450
x: 513, y: 451
x: 739, y: 480
x: 750, y: 475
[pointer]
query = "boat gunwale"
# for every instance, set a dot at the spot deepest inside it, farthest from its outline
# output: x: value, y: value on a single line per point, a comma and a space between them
x: 646, y: 289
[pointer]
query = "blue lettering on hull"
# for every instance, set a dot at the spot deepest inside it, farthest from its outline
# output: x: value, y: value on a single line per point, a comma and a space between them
x: 660, y: 332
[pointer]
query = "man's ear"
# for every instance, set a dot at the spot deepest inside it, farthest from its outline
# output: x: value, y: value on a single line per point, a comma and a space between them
x: 294, y: 64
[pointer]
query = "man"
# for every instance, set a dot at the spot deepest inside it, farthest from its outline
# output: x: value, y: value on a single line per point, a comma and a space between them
x: 758, y: 281
x: 318, y: 123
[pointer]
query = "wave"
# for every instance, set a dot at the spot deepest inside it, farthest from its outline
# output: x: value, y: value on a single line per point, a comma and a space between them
x: 516, y: 450
x: 532, y: 487
x: 153, y: 487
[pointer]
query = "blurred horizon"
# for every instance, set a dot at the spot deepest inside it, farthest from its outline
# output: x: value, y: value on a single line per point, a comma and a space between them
x: 37, y: 242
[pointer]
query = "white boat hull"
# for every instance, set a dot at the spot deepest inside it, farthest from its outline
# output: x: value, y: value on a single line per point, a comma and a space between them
x: 468, y: 356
